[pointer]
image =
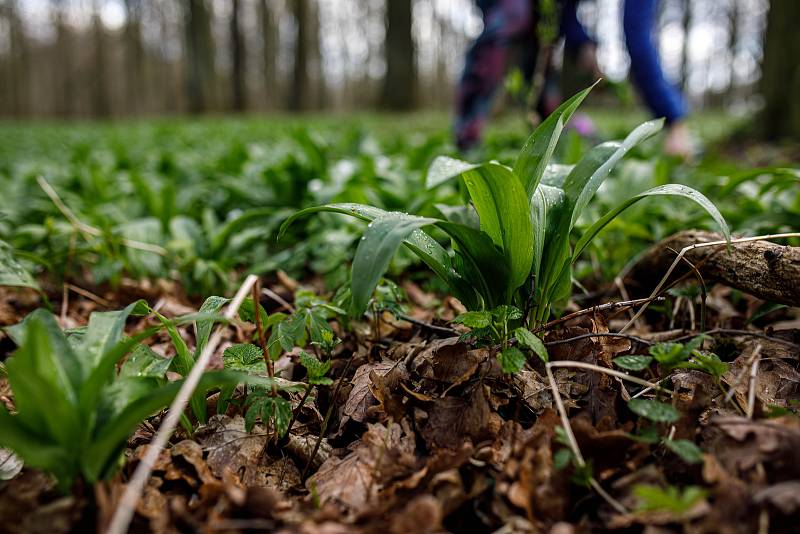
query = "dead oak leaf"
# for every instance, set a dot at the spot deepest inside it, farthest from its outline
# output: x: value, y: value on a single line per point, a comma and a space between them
x: 361, y: 398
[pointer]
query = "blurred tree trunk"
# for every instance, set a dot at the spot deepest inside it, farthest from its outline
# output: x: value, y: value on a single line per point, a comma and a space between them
x: 100, y: 104
x: 199, y: 55
x: 733, y: 47
x: 239, y: 102
x: 134, y: 56
x: 300, y: 95
x: 269, y: 36
x: 62, y: 85
x: 316, y: 67
x: 686, y: 21
x: 398, y: 84
x: 18, y: 61
x: 780, y: 68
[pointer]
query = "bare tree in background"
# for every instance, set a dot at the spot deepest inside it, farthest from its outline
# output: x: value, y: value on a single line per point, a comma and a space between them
x: 100, y: 102
x: 780, y: 79
x: 134, y: 56
x: 199, y: 54
x: 300, y: 95
x: 400, y: 79
x: 686, y: 22
x: 269, y: 52
x: 237, y: 46
x: 62, y: 83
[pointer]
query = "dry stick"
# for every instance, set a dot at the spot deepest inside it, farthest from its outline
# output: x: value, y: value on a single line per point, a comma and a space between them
x: 742, y: 373
x: 601, y: 307
x: 327, y: 419
x: 751, y: 393
x: 734, y: 332
x: 91, y: 231
x: 133, y: 491
x: 686, y: 249
x: 573, y: 443
x: 277, y: 298
x: 97, y: 299
x: 611, y: 372
x: 599, y: 334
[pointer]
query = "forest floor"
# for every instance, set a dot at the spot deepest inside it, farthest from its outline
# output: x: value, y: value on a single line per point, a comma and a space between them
x: 422, y: 431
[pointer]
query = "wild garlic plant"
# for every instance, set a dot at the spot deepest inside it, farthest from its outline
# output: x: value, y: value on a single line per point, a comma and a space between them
x: 517, y: 250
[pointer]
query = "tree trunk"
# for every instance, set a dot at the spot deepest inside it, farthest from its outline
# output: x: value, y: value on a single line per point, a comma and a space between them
x: 269, y: 52
x: 100, y: 103
x: 300, y: 95
x: 199, y: 55
x: 686, y: 21
x: 239, y: 102
x: 398, y: 84
x: 780, y: 68
x: 134, y: 56
x: 62, y: 86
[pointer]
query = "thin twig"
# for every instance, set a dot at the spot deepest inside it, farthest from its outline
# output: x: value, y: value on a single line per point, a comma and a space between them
x: 751, y: 391
x: 573, y: 443
x: 262, y: 339
x: 601, y: 307
x: 277, y: 298
x: 324, y: 428
x: 740, y: 376
x: 688, y: 248
x: 734, y: 332
x: 429, y: 326
x: 599, y: 334
x: 87, y: 230
x: 611, y: 372
x: 89, y: 295
x: 133, y: 491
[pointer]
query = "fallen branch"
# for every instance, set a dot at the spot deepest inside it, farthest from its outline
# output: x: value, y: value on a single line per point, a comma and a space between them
x: 766, y: 270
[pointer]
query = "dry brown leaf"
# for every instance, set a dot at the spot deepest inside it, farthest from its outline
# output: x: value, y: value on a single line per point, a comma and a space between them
x: 361, y: 398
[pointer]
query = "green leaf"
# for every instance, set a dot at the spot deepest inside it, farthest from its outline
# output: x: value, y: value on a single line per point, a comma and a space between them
x: 670, y: 499
x: 420, y: 243
x: 12, y: 273
x: 663, y: 190
x: 376, y: 249
x: 144, y: 363
x: 316, y: 369
x: 658, y: 412
x: 512, y: 360
x: 633, y: 362
x: 504, y: 211
x: 203, y: 328
x: 474, y: 319
x: 44, y: 396
x: 687, y: 450
x: 538, y: 149
x: 244, y: 357
x: 444, y: 168
x: 531, y: 341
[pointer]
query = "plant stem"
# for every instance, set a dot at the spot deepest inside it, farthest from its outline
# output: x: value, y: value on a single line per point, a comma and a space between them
x: 262, y: 339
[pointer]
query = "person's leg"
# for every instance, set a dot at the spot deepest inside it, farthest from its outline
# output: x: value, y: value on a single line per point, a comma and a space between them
x: 663, y: 98
x: 503, y: 22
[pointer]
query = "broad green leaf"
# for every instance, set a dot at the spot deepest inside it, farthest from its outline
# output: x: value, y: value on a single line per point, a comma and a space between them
x: 527, y: 339
x: 105, y: 329
x: 664, y: 190
x: 223, y: 235
x: 545, y: 200
x: 420, y: 243
x: 375, y: 250
x: 144, y: 363
x: 445, y: 168
x: 244, y: 357
x: 512, y: 360
x: 474, y: 319
x: 687, y: 450
x: 44, y: 396
x: 203, y: 328
x: 12, y: 273
x: 482, y: 264
x: 538, y: 149
x: 656, y: 411
x: 633, y: 362
x: 671, y: 499
x: 504, y: 211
